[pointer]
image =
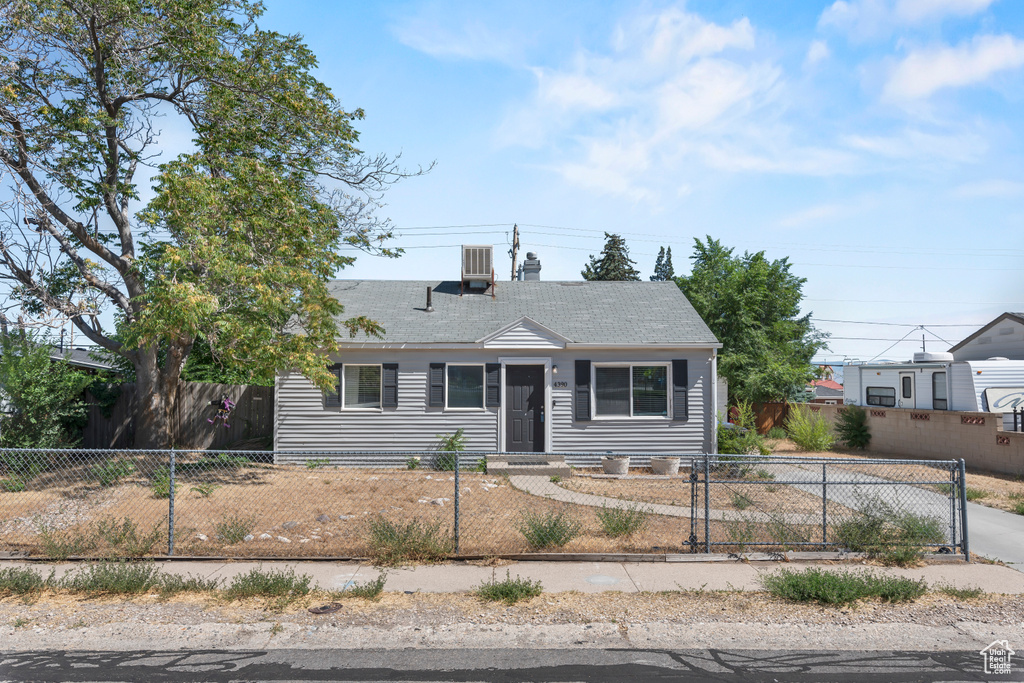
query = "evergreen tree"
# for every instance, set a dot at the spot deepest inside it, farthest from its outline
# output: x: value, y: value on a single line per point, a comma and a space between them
x: 614, y: 263
x: 663, y: 269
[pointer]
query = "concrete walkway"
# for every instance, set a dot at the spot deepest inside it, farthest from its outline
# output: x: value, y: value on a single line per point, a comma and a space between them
x: 586, y: 577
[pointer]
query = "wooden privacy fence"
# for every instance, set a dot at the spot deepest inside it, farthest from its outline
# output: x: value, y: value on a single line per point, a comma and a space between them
x: 251, y: 418
x: 770, y: 415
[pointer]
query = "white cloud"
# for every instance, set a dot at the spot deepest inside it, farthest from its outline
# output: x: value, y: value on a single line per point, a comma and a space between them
x: 866, y: 19
x: 915, y: 145
x: 923, y: 72
x: 989, y: 188
x: 813, y: 214
x: 817, y: 52
x: 469, y: 40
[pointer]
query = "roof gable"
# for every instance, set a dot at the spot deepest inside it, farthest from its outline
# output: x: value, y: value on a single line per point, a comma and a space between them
x: 1015, y: 317
x: 524, y: 333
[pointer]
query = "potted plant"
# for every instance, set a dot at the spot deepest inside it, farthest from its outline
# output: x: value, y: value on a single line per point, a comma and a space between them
x: 665, y: 464
x: 615, y: 464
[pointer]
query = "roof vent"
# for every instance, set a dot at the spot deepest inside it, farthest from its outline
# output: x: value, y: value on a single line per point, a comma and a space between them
x: 933, y: 357
x: 998, y: 358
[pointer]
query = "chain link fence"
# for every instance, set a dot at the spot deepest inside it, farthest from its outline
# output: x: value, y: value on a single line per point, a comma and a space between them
x: 134, y: 503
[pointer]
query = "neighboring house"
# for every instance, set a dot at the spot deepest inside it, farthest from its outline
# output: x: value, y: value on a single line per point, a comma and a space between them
x: 526, y: 366
x: 95, y: 360
x: 1001, y: 338
x: 827, y: 391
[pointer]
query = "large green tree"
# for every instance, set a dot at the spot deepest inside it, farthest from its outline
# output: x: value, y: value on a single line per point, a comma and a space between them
x: 614, y: 263
x: 753, y: 307
x: 243, y: 232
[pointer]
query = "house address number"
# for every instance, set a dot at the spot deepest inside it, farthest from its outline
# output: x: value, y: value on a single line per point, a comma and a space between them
x: 561, y: 385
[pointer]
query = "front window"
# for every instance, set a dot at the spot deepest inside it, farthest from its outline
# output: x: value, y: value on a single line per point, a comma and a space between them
x: 465, y: 386
x: 631, y: 391
x: 939, y: 396
x: 362, y: 387
x: 881, y: 396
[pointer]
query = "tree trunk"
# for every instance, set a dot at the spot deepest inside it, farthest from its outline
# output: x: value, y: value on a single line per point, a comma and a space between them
x: 157, y: 394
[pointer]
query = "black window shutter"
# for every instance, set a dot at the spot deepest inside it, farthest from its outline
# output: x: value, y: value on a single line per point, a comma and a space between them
x: 436, y: 388
x: 493, y: 397
x: 389, y: 385
x: 582, y: 390
x: 680, y: 383
x: 332, y: 399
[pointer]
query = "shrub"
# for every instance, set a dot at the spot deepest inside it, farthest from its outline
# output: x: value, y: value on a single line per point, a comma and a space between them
x: 21, y: 581
x: 113, y: 578
x: 447, y: 446
x: 840, y: 587
x: 852, y: 427
x: 739, y: 500
x: 317, y: 463
x: 548, y: 529
x: 394, y: 543
x: 510, y: 591
x: 257, y: 583
x: 126, y: 539
x: 205, y: 490
x: 60, y: 545
x: 1018, y: 508
x: 111, y: 471
x: 777, y: 433
x: 371, y: 590
x: 234, y: 529
x: 894, y: 536
x: 741, y: 438
x: 965, y: 593
x: 173, y: 584
x: 161, y: 483
x: 412, y: 463
x: 808, y: 430
x: 622, y: 521
x: 975, y: 494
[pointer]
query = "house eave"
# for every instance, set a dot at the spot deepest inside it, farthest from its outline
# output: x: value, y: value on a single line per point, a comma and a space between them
x: 481, y: 345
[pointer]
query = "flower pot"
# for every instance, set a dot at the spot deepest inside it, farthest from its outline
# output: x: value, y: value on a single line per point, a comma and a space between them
x: 665, y: 465
x: 615, y: 464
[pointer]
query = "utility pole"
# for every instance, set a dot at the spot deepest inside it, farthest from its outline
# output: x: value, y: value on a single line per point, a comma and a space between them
x: 514, y: 251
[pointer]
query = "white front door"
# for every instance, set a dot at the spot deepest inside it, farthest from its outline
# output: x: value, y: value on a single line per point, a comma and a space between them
x: 906, y: 391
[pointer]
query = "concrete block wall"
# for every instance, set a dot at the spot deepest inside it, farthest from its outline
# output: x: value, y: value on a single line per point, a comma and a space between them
x: 978, y: 438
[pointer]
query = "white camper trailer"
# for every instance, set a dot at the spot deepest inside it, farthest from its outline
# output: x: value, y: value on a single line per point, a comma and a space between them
x: 934, y: 381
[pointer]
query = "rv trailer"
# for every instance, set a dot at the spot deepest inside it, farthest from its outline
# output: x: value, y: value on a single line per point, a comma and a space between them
x: 934, y: 381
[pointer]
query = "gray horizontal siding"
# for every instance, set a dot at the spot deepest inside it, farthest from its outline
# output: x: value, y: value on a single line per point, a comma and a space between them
x: 637, y: 435
x: 303, y: 423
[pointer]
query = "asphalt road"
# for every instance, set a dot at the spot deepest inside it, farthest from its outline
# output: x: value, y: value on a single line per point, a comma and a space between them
x: 498, y: 666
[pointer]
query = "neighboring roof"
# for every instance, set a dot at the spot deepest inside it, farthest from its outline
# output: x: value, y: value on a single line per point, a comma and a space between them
x: 613, y: 313
x: 827, y: 384
x: 94, y: 359
x: 1009, y: 315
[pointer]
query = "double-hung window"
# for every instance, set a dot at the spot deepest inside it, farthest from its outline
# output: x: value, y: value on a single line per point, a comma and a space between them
x: 465, y: 386
x: 631, y: 390
x: 939, y: 401
x: 361, y: 387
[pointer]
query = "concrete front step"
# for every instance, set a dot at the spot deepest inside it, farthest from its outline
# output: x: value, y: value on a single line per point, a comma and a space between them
x: 527, y: 463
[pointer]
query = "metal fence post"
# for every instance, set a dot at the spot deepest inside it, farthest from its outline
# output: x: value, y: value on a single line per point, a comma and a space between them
x: 170, y: 509
x: 458, y: 466
x: 963, y: 510
x: 707, y: 504
x: 824, y: 506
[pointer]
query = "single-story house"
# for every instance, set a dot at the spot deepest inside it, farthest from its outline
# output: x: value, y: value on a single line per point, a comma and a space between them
x: 1001, y: 338
x: 523, y: 366
x: 826, y: 391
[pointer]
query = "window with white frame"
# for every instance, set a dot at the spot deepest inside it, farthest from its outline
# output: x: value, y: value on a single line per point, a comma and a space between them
x: 465, y: 386
x: 361, y: 389
x: 631, y: 390
x: 939, y: 401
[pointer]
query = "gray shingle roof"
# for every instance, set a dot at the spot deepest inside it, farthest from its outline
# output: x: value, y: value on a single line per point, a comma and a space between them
x: 584, y: 312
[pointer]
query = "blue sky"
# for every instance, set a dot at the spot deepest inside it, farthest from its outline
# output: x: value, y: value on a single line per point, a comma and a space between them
x: 877, y: 144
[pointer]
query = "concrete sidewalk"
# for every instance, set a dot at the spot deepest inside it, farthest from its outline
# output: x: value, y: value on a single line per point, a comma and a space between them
x: 587, y: 577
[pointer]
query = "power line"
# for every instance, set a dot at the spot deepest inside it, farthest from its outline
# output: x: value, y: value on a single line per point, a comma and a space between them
x: 866, y: 322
